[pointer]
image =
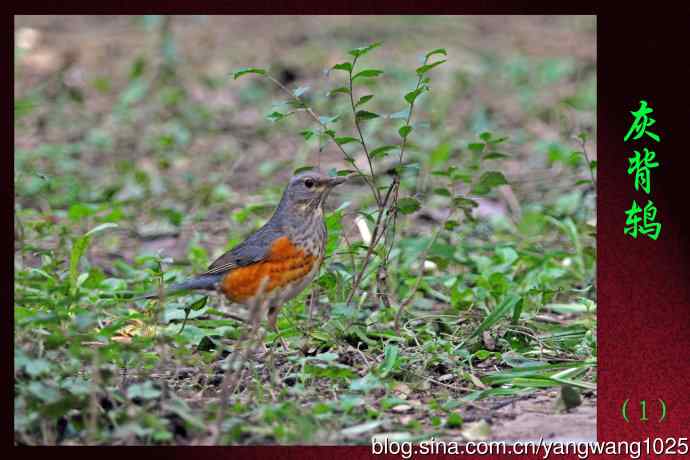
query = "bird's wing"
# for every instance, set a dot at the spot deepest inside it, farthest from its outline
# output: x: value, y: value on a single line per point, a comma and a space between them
x: 240, y: 256
x: 254, y: 249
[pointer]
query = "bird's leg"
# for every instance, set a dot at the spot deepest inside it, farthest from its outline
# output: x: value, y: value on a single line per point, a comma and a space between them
x: 272, y: 324
x: 239, y: 319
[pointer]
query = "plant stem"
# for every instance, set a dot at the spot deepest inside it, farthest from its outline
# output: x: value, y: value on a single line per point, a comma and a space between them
x: 375, y: 237
x: 367, y: 179
x: 409, y: 115
x: 386, y: 206
x: 377, y: 193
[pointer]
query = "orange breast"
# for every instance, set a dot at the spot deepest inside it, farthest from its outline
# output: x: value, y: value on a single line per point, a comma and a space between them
x: 284, y: 265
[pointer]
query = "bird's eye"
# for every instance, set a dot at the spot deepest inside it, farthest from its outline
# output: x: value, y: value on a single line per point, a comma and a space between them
x: 309, y: 183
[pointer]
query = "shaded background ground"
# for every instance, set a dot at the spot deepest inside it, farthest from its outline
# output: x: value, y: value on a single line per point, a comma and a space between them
x: 135, y: 120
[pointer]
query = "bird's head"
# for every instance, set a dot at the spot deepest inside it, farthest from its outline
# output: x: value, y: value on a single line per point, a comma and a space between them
x: 308, y: 190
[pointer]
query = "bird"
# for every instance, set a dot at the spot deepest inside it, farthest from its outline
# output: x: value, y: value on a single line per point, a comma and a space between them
x: 279, y: 260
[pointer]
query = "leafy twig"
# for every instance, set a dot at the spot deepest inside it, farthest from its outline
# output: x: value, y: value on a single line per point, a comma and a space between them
x: 328, y: 132
x: 387, y: 206
x: 377, y: 193
x: 376, y: 235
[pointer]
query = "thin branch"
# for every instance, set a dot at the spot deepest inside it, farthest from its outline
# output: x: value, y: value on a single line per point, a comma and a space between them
x: 352, y: 257
x: 376, y: 235
x: 390, y: 226
x: 316, y: 118
x: 392, y: 214
x: 377, y: 193
x: 409, y: 115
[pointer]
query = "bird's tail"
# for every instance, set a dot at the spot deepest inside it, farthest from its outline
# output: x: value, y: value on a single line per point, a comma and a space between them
x: 203, y: 282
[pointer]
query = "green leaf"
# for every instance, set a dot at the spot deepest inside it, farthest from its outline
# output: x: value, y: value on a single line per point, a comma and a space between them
x: 199, y: 304
x: 302, y: 169
x: 295, y: 104
x: 245, y: 70
x: 503, y: 309
x: 275, y: 116
x: 476, y: 146
x: 345, y: 140
x: 100, y: 228
x: 575, y: 158
x: 451, y: 224
x: 390, y: 359
x: 301, y: 90
x: 79, y: 247
x: 361, y: 51
x: 138, y: 67
x: 427, y: 67
x: 46, y: 393
x: 326, y: 120
x: 36, y: 367
x: 405, y: 130
x: 364, y: 99
x: 365, y: 115
x: 23, y: 107
x: 514, y: 359
x: 79, y: 211
x: 408, y: 205
x: 485, y: 136
x: 144, y: 390
x: 382, y: 151
x: 412, y: 95
x: 344, y: 66
x: 440, y: 154
x: 307, y: 134
x: 367, y: 73
x: 454, y: 420
x: 495, y: 156
x: 436, y: 51
x: 133, y: 93
x: 488, y: 181
x: 517, y: 311
x: 342, y: 89
x: 497, y: 140
x: 464, y: 203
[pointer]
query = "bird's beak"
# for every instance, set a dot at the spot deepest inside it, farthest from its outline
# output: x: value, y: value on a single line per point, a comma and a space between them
x: 337, y: 180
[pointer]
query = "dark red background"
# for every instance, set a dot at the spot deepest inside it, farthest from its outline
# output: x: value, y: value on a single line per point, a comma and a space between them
x: 643, y: 285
